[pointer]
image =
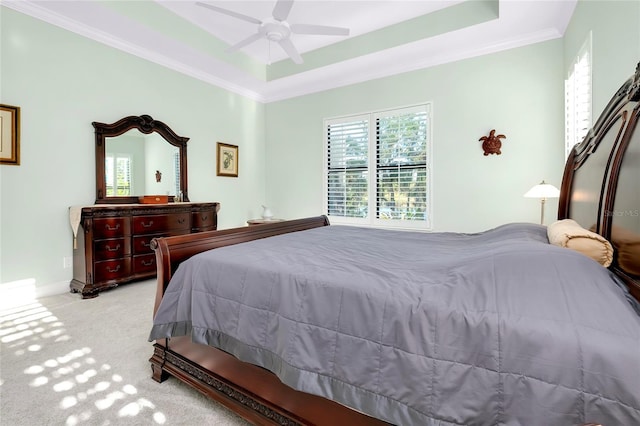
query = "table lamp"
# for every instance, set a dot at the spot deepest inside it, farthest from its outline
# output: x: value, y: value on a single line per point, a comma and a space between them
x: 543, y: 191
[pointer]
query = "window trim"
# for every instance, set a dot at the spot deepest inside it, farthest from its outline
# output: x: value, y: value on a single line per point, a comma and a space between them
x: 372, y: 221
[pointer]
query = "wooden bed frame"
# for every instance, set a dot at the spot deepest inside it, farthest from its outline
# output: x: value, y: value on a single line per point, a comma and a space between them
x: 599, y: 191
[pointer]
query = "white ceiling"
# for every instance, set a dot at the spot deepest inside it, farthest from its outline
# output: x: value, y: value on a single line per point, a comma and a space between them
x: 361, y: 17
x: 386, y: 37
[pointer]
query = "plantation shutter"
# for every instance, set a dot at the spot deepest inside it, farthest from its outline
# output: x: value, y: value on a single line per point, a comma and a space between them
x: 123, y: 176
x: 118, y: 175
x: 347, y: 184
x: 578, y: 99
x: 176, y: 171
x: 376, y: 168
x: 401, y: 164
x: 109, y: 176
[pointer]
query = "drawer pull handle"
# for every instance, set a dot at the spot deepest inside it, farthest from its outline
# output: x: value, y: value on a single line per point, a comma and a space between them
x: 113, y: 270
x: 113, y: 249
x: 112, y: 229
x: 146, y: 263
x: 145, y: 244
x: 205, y: 217
x: 144, y: 225
x: 181, y: 221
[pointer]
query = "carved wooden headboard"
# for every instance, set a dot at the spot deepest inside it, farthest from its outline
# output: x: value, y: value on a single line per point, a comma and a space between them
x: 601, y: 182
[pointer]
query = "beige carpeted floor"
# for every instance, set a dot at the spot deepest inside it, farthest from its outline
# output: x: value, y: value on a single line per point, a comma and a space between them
x: 68, y: 361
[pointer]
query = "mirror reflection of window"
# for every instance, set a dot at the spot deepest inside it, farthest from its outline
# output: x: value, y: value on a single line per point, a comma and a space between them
x: 118, y: 175
x: 176, y: 168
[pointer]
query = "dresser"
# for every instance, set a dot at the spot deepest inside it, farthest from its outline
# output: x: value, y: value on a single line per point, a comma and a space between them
x: 112, y: 244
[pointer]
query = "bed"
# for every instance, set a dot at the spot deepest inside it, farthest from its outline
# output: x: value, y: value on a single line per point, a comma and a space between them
x: 300, y: 322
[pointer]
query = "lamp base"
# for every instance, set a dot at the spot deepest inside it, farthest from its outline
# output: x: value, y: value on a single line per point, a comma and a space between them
x: 542, y: 201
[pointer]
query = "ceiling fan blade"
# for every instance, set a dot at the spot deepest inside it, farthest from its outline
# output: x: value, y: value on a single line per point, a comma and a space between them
x: 290, y: 49
x: 230, y: 13
x: 281, y: 9
x: 244, y: 42
x: 318, y: 29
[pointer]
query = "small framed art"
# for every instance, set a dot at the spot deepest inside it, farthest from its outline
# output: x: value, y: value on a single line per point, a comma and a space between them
x: 227, y: 160
x: 9, y: 134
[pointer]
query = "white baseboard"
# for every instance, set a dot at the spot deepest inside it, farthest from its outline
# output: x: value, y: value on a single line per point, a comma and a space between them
x: 52, y: 289
x: 18, y: 293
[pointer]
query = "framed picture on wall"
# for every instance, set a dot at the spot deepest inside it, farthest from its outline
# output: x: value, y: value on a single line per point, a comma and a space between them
x: 227, y: 160
x: 9, y: 134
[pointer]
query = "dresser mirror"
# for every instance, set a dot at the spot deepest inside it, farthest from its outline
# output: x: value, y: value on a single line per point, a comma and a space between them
x: 139, y: 156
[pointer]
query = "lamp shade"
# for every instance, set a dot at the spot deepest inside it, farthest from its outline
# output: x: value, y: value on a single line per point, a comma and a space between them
x: 543, y: 190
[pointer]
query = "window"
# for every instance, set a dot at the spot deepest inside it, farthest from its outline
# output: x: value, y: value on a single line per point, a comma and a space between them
x: 176, y: 170
x: 118, y: 175
x: 577, y: 98
x: 377, y: 168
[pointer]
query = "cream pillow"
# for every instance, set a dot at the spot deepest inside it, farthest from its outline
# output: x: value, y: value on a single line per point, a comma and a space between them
x: 568, y: 233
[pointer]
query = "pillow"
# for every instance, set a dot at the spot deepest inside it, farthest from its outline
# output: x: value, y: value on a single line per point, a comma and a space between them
x: 568, y: 233
x: 627, y: 244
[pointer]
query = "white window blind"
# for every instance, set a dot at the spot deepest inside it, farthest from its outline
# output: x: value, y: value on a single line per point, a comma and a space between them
x: 176, y: 170
x: 376, y: 169
x: 578, y: 98
x: 348, y: 167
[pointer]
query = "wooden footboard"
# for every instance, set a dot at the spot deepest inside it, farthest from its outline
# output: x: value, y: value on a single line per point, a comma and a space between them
x: 171, y: 251
x: 253, y: 392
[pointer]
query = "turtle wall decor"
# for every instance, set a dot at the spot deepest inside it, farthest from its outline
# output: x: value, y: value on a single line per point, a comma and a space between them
x: 491, y: 144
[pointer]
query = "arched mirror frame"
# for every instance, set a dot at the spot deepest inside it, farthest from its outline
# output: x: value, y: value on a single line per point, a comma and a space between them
x: 146, y: 125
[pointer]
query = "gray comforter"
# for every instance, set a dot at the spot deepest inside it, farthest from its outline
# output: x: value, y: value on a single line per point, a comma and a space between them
x: 494, y: 328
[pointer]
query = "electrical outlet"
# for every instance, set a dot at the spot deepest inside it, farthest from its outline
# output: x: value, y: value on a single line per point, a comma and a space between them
x: 67, y: 262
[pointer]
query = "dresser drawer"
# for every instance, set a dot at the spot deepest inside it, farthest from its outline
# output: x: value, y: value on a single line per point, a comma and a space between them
x: 142, y: 243
x: 111, y: 227
x: 144, y: 264
x: 111, y: 269
x: 203, y: 219
x: 160, y: 223
x: 112, y: 248
x: 114, y: 245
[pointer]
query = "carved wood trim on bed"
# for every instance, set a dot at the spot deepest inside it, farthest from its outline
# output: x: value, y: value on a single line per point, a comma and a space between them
x: 605, y: 197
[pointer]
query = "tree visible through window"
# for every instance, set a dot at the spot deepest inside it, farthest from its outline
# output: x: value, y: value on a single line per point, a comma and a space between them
x: 376, y: 168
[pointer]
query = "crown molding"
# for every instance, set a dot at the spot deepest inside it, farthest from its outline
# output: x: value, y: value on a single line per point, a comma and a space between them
x: 39, y: 12
x: 368, y: 68
x: 188, y: 61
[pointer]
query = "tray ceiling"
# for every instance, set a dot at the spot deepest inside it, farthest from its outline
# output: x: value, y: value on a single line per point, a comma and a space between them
x: 386, y: 37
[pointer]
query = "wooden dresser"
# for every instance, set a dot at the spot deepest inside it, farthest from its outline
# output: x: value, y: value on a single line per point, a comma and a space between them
x: 113, y: 243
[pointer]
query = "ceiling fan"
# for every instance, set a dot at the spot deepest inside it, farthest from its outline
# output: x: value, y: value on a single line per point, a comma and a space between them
x: 275, y: 28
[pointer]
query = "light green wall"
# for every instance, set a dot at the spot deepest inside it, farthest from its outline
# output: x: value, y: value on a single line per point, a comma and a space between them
x: 517, y: 92
x: 63, y: 82
x: 615, y: 28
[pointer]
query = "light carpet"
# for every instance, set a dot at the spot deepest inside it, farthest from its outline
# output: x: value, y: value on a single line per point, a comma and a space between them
x: 68, y: 361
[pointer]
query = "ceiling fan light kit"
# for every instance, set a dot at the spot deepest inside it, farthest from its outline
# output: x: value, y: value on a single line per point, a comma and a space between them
x: 276, y: 29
